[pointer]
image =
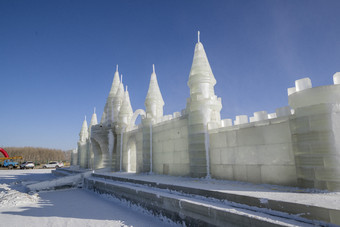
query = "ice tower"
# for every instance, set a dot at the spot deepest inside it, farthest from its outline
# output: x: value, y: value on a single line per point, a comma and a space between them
x: 89, y: 150
x: 82, y: 144
x: 203, y: 108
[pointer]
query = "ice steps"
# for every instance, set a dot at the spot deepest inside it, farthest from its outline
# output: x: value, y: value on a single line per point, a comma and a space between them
x: 193, y: 205
x: 302, y: 210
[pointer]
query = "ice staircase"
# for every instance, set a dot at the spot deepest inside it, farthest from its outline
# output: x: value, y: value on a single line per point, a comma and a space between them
x: 70, y: 179
x: 207, y: 207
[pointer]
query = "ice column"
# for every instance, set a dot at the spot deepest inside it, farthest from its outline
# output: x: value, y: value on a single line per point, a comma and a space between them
x: 207, y: 151
x: 150, y: 147
x: 121, y: 150
x: 111, y: 145
x: 82, y: 144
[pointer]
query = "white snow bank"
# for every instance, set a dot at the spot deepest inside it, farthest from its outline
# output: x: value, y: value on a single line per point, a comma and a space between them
x: 13, y: 198
x: 73, y: 207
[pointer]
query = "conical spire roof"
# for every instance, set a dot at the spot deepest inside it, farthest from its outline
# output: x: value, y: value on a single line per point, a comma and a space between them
x: 200, y: 69
x: 126, y: 109
x: 83, y: 135
x: 108, y: 115
x: 103, y: 118
x: 93, y: 121
x: 154, y: 93
x: 120, y: 92
x: 115, y: 83
x: 118, y: 100
x: 94, y: 118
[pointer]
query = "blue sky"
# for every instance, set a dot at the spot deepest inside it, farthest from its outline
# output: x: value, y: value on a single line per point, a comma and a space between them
x: 57, y: 58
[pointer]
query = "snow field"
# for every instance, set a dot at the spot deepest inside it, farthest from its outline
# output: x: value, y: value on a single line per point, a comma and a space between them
x: 73, y: 207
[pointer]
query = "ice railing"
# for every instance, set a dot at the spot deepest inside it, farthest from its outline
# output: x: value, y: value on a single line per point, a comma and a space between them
x: 300, y: 85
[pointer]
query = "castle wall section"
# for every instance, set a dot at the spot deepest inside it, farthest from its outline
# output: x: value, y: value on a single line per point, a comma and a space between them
x: 170, y: 147
x: 132, y: 158
x: 316, y: 136
x: 258, y: 152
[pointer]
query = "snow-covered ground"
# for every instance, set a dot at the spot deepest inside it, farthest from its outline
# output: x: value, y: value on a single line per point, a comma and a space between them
x: 74, y: 207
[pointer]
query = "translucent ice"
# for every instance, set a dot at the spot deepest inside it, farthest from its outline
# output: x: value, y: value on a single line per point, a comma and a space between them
x: 336, y: 78
x: 303, y: 84
x: 241, y: 119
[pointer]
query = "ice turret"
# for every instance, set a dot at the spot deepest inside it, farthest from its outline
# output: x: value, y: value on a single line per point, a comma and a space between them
x: 82, y: 145
x: 154, y: 101
x: 201, y: 82
x: 203, y: 109
x: 118, y: 100
x: 93, y: 121
x: 83, y: 135
x: 126, y: 111
x: 109, y: 115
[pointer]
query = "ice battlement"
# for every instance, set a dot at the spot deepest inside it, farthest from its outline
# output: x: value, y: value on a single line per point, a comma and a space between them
x: 303, y: 94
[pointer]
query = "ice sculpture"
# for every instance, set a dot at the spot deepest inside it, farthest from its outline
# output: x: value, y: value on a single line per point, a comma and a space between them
x: 298, y: 145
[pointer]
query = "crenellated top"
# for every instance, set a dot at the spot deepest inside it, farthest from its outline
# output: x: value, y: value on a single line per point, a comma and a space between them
x: 83, y: 135
x: 303, y: 94
x: 154, y: 101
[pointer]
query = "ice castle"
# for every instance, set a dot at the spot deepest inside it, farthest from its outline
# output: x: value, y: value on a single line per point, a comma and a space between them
x: 298, y: 145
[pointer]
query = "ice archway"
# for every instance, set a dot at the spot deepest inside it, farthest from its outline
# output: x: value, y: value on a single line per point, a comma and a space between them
x: 136, y: 114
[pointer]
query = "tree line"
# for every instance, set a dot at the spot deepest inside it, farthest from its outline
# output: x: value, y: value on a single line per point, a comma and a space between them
x: 39, y: 154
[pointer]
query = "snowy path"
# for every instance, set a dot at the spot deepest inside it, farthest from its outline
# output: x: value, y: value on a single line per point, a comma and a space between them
x: 74, y: 207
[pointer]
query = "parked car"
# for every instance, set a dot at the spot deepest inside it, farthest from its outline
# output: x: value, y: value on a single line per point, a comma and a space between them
x: 10, y: 164
x: 27, y: 165
x: 54, y: 165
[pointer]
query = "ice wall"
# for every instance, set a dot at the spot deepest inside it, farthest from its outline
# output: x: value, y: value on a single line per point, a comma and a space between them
x: 260, y: 154
x: 315, y: 134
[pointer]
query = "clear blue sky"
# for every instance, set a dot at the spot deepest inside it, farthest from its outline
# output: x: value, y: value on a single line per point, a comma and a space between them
x: 57, y: 58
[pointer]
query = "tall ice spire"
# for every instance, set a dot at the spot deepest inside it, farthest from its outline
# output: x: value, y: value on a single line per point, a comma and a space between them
x: 154, y: 101
x: 118, y: 100
x: 108, y: 113
x: 93, y: 121
x: 200, y: 70
x: 83, y: 135
x: 126, y: 112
